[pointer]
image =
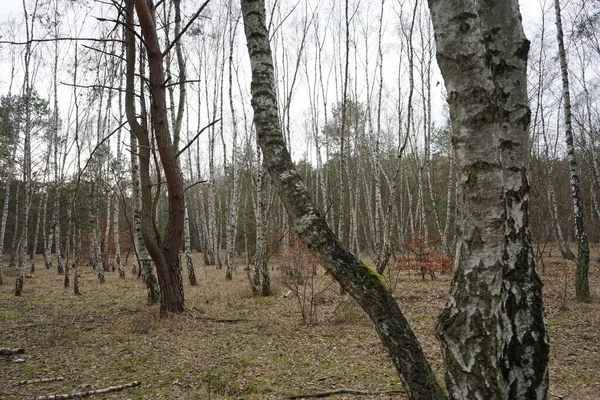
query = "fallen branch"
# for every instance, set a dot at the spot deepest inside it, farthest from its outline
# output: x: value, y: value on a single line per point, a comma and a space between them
x: 343, y: 391
x: 90, y: 392
x: 11, y: 352
x: 40, y: 380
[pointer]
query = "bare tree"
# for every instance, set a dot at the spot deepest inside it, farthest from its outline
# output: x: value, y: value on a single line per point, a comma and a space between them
x: 164, y: 249
x: 360, y: 281
x: 496, y: 277
x: 582, y: 286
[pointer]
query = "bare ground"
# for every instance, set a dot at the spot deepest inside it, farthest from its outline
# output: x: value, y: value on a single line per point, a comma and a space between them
x: 231, y: 344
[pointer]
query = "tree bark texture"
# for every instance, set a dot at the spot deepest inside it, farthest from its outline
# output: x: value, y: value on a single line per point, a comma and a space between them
x: 359, y: 280
x: 492, y: 330
x: 165, y: 251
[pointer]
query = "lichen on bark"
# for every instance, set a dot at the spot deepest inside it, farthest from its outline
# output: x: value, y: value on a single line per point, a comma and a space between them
x: 492, y: 330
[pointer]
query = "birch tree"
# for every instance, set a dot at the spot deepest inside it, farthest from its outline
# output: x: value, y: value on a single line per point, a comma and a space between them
x: 29, y: 106
x: 359, y: 280
x: 8, y: 134
x: 492, y: 329
x: 493, y: 333
x: 582, y: 286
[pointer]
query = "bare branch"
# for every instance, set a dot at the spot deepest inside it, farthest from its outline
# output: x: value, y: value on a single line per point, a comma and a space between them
x: 104, y: 52
x: 59, y: 39
x: 185, y: 28
x: 196, y: 137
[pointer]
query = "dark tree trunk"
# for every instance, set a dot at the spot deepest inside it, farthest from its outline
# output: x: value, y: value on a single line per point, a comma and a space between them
x: 165, y: 251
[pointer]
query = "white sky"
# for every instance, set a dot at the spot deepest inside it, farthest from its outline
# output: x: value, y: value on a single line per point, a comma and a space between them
x: 530, y: 10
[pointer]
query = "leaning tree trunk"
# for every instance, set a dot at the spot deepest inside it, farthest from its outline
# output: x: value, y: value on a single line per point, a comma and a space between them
x: 582, y: 286
x: 492, y: 330
x: 360, y: 281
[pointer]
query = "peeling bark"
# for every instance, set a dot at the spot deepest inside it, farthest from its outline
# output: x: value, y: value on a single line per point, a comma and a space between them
x: 492, y: 330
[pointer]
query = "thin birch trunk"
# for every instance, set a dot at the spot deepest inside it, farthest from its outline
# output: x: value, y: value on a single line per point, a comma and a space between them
x: 46, y: 252
x: 234, y: 196
x: 107, y: 225
x: 117, y: 263
x: 5, y: 213
x: 34, y: 241
x: 142, y: 258
x: 27, y: 177
x: 582, y: 286
x: 14, y: 247
x: 262, y: 281
x: 451, y: 184
x: 188, y: 249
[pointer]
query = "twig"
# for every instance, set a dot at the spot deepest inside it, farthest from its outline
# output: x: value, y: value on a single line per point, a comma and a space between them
x: 343, y: 391
x: 89, y: 393
x: 57, y: 39
x: 40, y: 380
x: 11, y: 352
x: 196, y: 137
x: 185, y: 28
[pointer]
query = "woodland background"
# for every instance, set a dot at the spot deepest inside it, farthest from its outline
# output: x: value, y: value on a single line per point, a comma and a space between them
x: 379, y: 162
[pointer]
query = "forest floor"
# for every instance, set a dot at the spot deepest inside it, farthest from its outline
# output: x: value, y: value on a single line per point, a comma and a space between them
x: 231, y: 344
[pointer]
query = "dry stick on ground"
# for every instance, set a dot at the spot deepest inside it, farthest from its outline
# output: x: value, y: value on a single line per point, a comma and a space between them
x: 11, y: 352
x: 40, y: 380
x: 344, y: 391
x: 89, y: 393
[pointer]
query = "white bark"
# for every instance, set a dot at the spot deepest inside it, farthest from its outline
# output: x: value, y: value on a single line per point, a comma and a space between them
x: 492, y: 329
x: 582, y: 286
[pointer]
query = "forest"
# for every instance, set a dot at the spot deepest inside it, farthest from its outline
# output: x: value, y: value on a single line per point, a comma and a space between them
x: 384, y: 184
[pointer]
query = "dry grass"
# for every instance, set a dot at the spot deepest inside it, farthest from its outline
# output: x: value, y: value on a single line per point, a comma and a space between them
x: 230, y: 344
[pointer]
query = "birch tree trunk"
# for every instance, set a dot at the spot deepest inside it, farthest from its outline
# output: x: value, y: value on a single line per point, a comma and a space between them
x: 177, y: 124
x: 56, y: 231
x: 117, y: 263
x: 492, y: 330
x: 188, y: 249
x: 142, y: 258
x: 34, y: 241
x: 261, y: 280
x: 360, y: 281
x: 5, y: 213
x: 234, y: 197
x: 27, y: 182
x: 582, y: 286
